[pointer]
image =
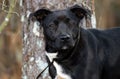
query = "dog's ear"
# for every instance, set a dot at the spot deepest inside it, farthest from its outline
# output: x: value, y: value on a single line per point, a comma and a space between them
x: 80, y: 11
x: 40, y: 14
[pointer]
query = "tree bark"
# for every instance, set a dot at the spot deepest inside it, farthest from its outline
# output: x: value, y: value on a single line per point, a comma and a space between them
x: 33, y: 40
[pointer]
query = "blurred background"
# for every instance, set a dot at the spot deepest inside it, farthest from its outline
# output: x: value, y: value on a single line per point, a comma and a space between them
x: 107, y: 13
x: 107, y: 16
x: 10, y: 40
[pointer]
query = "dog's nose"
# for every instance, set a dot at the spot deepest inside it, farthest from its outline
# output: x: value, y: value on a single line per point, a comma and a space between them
x: 64, y: 37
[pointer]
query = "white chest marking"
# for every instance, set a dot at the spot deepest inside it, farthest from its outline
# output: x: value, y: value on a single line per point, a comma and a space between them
x: 60, y: 72
x: 59, y: 69
x: 51, y: 56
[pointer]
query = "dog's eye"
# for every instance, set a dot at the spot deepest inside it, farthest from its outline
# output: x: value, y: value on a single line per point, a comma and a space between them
x: 52, y: 26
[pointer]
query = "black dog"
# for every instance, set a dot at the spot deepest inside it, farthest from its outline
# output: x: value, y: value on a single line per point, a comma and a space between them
x: 79, y: 53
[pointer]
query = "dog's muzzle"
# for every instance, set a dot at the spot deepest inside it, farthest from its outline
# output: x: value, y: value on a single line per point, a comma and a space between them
x: 64, y: 42
x: 64, y: 38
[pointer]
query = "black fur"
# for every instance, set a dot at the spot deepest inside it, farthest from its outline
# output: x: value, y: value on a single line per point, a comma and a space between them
x: 94, y: 55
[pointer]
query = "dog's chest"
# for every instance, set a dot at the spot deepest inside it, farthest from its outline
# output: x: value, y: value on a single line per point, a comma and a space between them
x: 59, y: 69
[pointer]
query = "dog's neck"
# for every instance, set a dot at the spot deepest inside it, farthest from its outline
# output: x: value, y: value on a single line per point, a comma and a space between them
x: 63, y: 55
x: 59, y: 55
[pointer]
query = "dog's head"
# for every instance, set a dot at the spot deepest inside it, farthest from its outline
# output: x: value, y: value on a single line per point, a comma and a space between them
x: 61, y: 28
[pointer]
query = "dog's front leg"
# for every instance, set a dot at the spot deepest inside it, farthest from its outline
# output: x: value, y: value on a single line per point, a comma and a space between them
x: 92, y: 71
x: 90, y: 75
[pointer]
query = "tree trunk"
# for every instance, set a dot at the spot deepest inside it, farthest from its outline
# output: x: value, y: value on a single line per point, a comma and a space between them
x: 33, y: 40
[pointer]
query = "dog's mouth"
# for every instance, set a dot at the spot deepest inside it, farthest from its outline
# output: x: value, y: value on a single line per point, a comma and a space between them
x: 64, y: 45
